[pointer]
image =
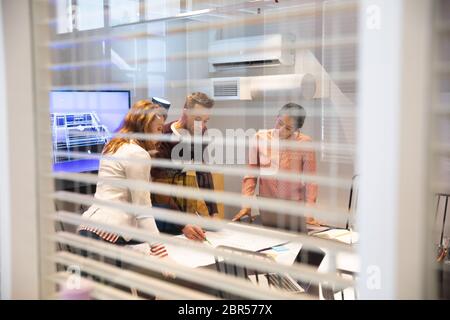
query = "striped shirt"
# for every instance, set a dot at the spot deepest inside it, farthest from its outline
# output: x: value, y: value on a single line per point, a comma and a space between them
x: 110, y: 237
x: 156, y: 249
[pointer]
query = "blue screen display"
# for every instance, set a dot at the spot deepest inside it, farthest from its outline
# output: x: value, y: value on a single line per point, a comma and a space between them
x: 82, y: 121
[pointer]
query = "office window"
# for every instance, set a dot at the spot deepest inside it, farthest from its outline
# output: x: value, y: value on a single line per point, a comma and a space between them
x: 89, y: 14
x: 340, y: 62
x: 160, y: 8
x: 64, y: 16
x: 123, y: 11
x: 156, y: 54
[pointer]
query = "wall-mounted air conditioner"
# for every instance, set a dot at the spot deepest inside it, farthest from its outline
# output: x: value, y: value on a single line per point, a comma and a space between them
x: 258, y: 51
x: 302, y: 86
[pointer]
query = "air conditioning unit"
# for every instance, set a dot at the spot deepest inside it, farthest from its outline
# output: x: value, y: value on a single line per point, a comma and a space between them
x: 302, y: 86
x: 261, y: 87
x: 247, y: 52
x: 237, y: 88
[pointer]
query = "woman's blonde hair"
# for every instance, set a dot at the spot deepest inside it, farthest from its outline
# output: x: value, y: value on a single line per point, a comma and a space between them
x: 137, y: 120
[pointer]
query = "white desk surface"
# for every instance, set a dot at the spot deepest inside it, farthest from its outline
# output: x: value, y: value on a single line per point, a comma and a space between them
x: 241, y: 240
x: 193, y: 259
x: 344, y: 261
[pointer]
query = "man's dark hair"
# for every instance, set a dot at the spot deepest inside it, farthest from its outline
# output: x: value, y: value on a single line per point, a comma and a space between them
x: 295, y: 111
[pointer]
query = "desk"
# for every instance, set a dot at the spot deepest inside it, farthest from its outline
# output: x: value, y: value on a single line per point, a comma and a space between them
x: 348, y: 263
x: 241, y: 240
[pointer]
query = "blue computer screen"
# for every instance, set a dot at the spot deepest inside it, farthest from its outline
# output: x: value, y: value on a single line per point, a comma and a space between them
x: 82, y: 122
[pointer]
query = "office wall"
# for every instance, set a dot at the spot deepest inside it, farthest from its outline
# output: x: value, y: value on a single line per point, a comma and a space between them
x: 18, y: 194
x: 3, y: 165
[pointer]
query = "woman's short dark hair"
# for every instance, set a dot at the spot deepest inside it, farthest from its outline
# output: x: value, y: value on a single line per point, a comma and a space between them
x: 295, y: 111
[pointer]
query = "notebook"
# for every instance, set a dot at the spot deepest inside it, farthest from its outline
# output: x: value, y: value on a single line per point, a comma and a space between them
x: 341, y: 235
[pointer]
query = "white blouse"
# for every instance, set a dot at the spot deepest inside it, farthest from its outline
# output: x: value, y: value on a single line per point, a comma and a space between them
x: 133, y: 163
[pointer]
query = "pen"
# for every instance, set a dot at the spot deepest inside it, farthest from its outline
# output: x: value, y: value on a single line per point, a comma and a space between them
x: 196, y: 212
x: 268, y: 248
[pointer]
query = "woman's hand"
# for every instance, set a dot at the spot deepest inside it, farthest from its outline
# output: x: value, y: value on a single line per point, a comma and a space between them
x: 194, y: 232
x: 244, y: 212
x: 312, y: 221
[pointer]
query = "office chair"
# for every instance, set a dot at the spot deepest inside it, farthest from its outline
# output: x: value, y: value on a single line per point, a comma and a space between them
x: 226, y: 267
x: 259, y: 277
x: 353, y: 197
x: 444, y: 217
x: 352, y: 205
x: 81, y: 188
x: 443, y: 251
x: 60, y: 227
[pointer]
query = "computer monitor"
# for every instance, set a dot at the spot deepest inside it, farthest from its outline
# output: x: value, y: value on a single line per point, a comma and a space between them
x: 162, y: 102
x: 82, y: 121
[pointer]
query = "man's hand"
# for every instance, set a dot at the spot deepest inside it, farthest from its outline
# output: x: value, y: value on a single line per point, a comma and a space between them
x: 244, y: 212
x: 194, y: 232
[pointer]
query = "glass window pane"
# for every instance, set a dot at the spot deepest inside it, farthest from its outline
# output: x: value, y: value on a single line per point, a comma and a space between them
x: 123, y: 11
x: 64, y: 17
x: 90, y: 14
x: 161, y: 8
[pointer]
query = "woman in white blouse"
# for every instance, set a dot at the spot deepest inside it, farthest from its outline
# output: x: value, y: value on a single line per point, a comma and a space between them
x: 128, y: 159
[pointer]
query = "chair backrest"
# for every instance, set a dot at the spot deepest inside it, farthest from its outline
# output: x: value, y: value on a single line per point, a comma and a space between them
x: 443, y: 279
x: 64, y: 185
x: 353, y: 197
x: 225, y: 266
x: 442, y: 201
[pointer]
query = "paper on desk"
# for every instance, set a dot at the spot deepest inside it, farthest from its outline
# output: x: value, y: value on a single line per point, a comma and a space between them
x: 349, y: 238
x: 286, y: 257
x: 332, y: 233
x: 341, y: 235
x: 241, y: 240
x: 316, y: 229
x: 143, y: 248
x: 188, y: 257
